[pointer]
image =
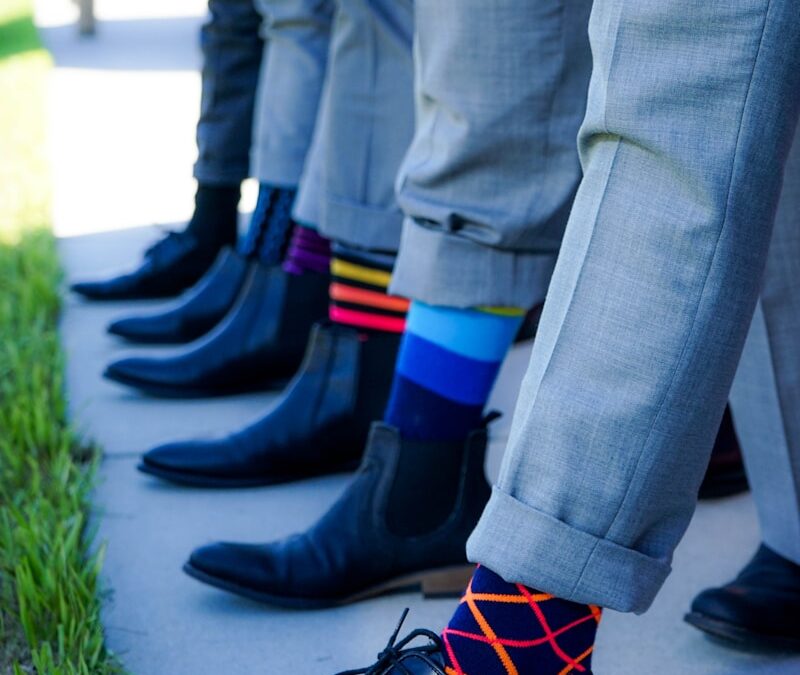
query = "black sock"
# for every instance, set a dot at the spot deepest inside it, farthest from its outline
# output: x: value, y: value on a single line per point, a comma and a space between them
x: 215, y: 219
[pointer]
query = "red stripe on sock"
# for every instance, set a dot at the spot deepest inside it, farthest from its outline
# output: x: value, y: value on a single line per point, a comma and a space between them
x: 363, y: 320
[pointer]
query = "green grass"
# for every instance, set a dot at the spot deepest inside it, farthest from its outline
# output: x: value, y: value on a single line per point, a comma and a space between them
x: 49, y: 605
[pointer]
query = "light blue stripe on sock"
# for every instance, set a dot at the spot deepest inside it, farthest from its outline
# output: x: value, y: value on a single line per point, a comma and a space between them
x: 471, y: 333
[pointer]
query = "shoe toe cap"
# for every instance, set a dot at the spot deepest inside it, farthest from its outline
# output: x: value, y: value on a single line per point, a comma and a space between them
x: 191, y: 457
x: 246, y: 565
x: 135, y: 328
x: 136, y: 370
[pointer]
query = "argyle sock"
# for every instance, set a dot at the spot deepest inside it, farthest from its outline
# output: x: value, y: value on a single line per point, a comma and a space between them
x: 308, y: 252
x: 448, y: 362
x: 215, y: 217
x: 508, y: 629
x: 270, y: 225
x: 358, y: 291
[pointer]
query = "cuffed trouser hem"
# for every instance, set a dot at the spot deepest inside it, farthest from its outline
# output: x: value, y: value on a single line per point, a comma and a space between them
x: 526, y: 546
x: 210, y: 175
x: 442, y: 268
x: 368, y: 227
x: 307, y: 205
x: 279, y: 166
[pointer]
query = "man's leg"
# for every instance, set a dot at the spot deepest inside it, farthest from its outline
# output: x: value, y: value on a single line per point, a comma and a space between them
x: 692, y: 107
x: 691, y: 112
x: 321, y: 423
x: 259, y: 342
x: 761, y: 606
x: 232, y: 54
x: 365, y: 128
x: 298, y: 35
x: 430, y: 451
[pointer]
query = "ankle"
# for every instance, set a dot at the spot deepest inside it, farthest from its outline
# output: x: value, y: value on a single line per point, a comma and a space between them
x: 214, y: 222
x: 502, y: 627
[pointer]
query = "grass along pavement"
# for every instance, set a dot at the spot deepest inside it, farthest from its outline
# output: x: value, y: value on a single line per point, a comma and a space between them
x: 49, y: 605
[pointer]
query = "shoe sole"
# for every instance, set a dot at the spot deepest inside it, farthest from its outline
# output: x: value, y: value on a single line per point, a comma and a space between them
x: 167, y: 391
x: 199, y: 481
x: 740, y: 636
x: 446, y: 582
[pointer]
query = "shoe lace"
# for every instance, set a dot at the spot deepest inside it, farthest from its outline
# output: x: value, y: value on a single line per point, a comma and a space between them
x: 394, y: 652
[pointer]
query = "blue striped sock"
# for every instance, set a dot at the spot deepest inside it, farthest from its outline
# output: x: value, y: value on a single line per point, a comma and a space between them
x: 448, y: 362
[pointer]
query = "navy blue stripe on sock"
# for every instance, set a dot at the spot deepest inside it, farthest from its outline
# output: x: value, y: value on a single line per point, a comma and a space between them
x: 460, y: 378
x: 422, y: 414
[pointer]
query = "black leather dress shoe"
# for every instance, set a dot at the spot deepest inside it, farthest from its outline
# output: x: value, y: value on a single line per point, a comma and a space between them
x: 760, y: 608
x: 170, y: 266
x: 196, y: 312
x: 319, y: 425
x: 258, y: 345
x: 408, y: 656
x: 402, y: 524
x: 725, y: 475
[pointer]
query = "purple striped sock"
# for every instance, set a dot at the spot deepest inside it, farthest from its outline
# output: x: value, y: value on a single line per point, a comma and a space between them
x: 308, y: 252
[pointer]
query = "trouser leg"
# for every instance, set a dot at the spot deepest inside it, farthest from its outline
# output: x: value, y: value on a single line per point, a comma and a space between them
x: 232, y: 54
x: 491, y: 174
x: 765, y: 398
x: 692, y: 107
x: 297, y: 35
x: 366, y: 126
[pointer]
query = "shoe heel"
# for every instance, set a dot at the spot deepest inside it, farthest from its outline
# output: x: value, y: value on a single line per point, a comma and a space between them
x: 447, y: 583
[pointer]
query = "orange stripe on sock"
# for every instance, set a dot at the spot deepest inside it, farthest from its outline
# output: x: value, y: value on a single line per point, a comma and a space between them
x: 569, y: 668
x: 364, y: 320
x: 361, y: 296
x: 486, y: 629
x: 511, y: 599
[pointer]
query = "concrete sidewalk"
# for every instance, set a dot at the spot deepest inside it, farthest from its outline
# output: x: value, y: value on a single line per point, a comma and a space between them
x: 122, y: 153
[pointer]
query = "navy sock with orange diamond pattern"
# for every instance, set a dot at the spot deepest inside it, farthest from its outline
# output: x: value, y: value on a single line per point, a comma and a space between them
x: 508, y: 629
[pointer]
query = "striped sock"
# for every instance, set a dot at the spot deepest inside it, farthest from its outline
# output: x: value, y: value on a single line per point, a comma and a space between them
x: 448, y: 362
x: 268, y: 232
x: 308, y: 252
x: 508, y: 629
x: 358, y: 291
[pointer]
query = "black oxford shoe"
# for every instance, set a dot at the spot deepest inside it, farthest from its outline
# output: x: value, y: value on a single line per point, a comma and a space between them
x: 418, y: 653
x: 319, y: 425
x: 402, y: 524
x: 170, y: 266
x: 196, y: 312
x: 258, y: 345
x: 760, y: 608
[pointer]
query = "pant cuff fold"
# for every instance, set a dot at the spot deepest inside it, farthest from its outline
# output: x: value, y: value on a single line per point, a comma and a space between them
x: 526, y: 546
x: 362, y: 226
x: 442, y: 268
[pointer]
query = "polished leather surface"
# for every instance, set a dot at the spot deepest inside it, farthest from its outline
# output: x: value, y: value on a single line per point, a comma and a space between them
x: 258, y: 345
x: 351, y: 548
x: 319, y: 425
x: 169, y: 267
x: 413, y: 664
x: 196, y: 312
x: 762, y: 602
x: 406, y: 664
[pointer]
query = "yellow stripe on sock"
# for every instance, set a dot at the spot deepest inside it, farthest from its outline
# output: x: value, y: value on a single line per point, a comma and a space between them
x: 347, y: 270
x: 501, y: 311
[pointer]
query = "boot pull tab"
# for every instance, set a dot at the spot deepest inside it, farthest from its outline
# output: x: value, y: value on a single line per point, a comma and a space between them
x: 491, y: 416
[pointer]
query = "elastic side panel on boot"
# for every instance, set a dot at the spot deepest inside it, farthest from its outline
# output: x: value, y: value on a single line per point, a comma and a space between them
x: 425, y: 488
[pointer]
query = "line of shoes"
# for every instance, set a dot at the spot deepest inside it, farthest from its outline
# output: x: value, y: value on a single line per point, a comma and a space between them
x: 244, y: 326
